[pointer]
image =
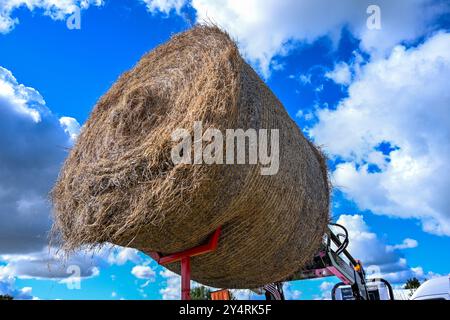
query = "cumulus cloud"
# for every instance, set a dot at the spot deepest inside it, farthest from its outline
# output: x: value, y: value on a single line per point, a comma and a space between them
x: 71, y: 127
x: 55, y: 9
x: 164, y: 6
x: 341, y: 74
x: 267, y: 28
x: 70, y: 269
x: 240, y: 294
x: 377, y: 257
x: 74, y: 279
x: 50, y: 264
x: 8, y: 287
x: 406, y: 244
x: 171, y: 290
x: 391, y: 136
x: 290, y: 293
x: 33, y: 144
x: 325, y: 288
x: 120, y: 256
x: 143, y: 272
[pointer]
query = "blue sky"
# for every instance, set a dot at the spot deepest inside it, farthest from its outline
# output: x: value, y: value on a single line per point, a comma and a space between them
x: 377, y: 102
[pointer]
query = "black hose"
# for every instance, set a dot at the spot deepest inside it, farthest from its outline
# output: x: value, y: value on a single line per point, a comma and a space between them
x: 344, y: 243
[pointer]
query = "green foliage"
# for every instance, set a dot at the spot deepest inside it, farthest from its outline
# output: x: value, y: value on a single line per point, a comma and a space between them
x: 200, y: 293
x: 412, y: 283
x: 6, y: 297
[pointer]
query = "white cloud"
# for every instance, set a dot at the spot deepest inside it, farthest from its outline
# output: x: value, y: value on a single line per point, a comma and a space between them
x: 290, y: 293
x: 241, y: 294
x: 120, y: 256
x: 325, y: 288
x: 8, y: 287
x: 22, y: 100
x: 171, y: 291
x: 56, y: 9
x: 377, y: 257
x: 33, y: 145
x: 51, y: 264
x: 71, y: 127
x: 400, y: 102
x: 406, y: 244
x: 341, y: 74
x: 72, y: 281
x: 164, y: 6
x: 143, y: 272
x: 267, y: 28
x: 45, y: 265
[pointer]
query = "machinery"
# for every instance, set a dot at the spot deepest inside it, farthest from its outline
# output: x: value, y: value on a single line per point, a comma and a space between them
x: 333, y: 259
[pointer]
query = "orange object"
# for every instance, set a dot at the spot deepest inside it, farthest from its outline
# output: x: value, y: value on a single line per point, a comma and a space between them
x: 220, y: 295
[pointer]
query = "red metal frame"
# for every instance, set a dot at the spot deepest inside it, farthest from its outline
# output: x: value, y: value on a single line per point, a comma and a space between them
x: 185, y: 258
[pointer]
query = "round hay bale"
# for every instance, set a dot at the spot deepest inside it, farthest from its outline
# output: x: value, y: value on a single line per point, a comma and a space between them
x: 119, y: 184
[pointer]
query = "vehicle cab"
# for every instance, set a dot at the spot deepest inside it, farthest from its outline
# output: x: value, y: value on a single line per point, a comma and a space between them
x: 433, y: 289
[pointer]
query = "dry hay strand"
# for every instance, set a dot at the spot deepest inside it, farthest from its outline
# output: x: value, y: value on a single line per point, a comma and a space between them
x: 119, y: 185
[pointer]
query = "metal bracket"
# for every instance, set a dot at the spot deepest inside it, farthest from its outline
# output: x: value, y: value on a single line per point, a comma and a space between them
x: 185, y: 258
